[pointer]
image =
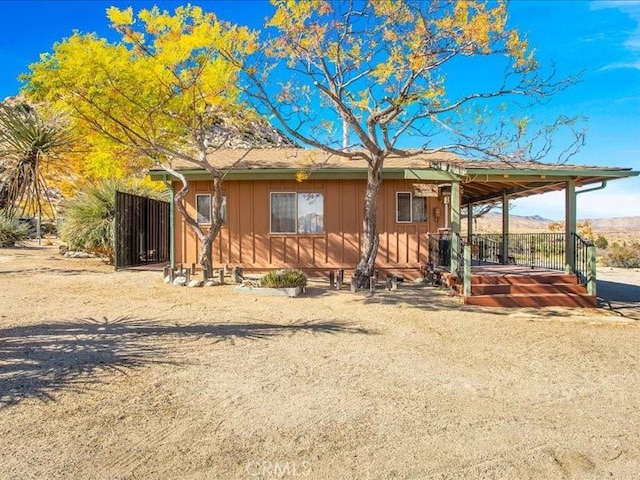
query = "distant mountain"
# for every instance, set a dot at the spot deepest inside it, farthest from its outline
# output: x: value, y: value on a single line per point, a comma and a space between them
x: 492, y: 223
x: 614, y: 229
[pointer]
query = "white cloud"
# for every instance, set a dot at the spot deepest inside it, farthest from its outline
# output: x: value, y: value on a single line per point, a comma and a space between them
x: 626, y: 65
x: 622, y: 4
x: 630, y: 8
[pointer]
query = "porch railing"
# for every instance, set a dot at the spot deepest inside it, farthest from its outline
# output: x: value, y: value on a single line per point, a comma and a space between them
x: 486, y: 248
x: 536, y: 250
x: 440, y: 250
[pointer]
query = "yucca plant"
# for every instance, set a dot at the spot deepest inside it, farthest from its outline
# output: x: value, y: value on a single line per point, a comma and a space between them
x: 29, y: 144
x: 285, y: 278
x: 89, y: 217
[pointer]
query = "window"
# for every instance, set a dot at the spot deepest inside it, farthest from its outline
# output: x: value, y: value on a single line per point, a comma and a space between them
x: 297, y: 213
x: 203, y: 208
x: 310, y: 213
x: 410, y: 208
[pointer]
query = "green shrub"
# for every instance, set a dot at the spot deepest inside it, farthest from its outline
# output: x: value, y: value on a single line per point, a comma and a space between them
x: 11, y: 232
x: 624, y: 256
x: 601, y: 242
x: 89, y: 217
x: 285, y: 278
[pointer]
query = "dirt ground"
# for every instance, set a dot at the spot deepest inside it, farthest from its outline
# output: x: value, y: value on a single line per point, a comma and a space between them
x: 118, y: 376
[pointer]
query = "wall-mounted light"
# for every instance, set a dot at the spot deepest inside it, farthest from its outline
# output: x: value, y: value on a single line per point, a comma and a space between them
x: 445, y: 193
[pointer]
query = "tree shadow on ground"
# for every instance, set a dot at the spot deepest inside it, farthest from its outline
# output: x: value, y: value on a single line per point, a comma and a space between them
x: 37, y: 361
x: 53, y: 271
x: 621, y: 298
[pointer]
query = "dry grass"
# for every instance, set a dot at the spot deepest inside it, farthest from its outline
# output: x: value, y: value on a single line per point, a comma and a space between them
x: 116, y: 375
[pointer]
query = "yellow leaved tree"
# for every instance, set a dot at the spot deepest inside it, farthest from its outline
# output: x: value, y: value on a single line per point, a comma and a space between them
x: 156, y: 94
x: 357, y: 78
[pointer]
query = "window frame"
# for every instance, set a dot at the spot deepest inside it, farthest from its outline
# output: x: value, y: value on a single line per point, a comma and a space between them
x: 411, y: 199
x: 224, y: 208
x: 296, y: 214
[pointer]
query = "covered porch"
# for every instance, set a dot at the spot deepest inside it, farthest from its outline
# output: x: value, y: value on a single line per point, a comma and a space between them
x: 517, y: 269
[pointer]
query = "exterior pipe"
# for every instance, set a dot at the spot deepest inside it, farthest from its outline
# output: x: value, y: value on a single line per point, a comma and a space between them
x: 172, y: 254
x: 602, y: 186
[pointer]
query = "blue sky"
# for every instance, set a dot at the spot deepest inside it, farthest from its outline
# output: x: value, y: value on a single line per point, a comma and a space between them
x: 600, y: 38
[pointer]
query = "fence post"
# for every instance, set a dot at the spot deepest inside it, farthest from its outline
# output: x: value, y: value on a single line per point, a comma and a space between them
x: 591, y: 270
x: 331, y: 279
x: 467, y: 271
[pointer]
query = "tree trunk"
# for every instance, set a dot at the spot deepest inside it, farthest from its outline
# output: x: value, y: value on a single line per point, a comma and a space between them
x: 206, y: 263
x: 206, y: 239
x: 370, y: 238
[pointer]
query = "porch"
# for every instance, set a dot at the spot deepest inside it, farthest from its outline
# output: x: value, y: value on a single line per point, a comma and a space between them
x: 516, y: 270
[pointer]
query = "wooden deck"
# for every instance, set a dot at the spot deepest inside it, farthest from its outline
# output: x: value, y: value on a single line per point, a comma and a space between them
x: 517, y: 286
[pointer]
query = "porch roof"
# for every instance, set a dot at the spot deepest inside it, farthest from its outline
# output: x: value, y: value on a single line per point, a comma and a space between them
x: 482, y: 181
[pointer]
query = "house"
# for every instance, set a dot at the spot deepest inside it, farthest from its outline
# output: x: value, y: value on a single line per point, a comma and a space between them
x: 303, y: 208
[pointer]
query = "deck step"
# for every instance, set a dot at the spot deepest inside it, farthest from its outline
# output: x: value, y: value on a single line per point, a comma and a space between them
x: 526, y: 288
x: 533, y: 300
x: 559, y: 278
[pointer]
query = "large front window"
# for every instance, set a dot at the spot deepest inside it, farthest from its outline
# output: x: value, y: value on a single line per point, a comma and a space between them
x: 297, y: 212
x: 410, y: 208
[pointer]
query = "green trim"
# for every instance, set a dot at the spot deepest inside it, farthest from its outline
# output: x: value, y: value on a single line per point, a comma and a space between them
x: 455, y: 226
x: 591, y: 270
x: 285, y: 174
x: 445, y: 173
x: 436, y: 175
x: 538, y: 172
x: 570, y: 224
x: 466, y: 283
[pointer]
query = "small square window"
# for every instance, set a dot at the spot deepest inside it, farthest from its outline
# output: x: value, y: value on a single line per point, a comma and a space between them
x: 410, y: 208
x: 204, y: 208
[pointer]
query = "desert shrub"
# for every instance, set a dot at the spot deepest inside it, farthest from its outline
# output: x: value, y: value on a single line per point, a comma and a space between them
x: 601, y: 242
x: 285, y: 278
x: 89, y: 217
x: 49, y: 228
x: 624, y: 256
x: 12, y: 232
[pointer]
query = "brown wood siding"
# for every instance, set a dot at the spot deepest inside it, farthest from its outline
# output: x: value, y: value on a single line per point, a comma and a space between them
x: 245, y: 239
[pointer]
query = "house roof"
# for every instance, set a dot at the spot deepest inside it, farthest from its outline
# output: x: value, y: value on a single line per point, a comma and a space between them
x: 482, y: 180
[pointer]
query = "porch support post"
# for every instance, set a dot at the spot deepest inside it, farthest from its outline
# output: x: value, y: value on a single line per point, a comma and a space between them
x: 455, y: 226
x: 466, y: 284
x: 505, y: 228
x: 469, y: 222
x: 172, y: 228
x: 591, y: 270
x: 570, y: 224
